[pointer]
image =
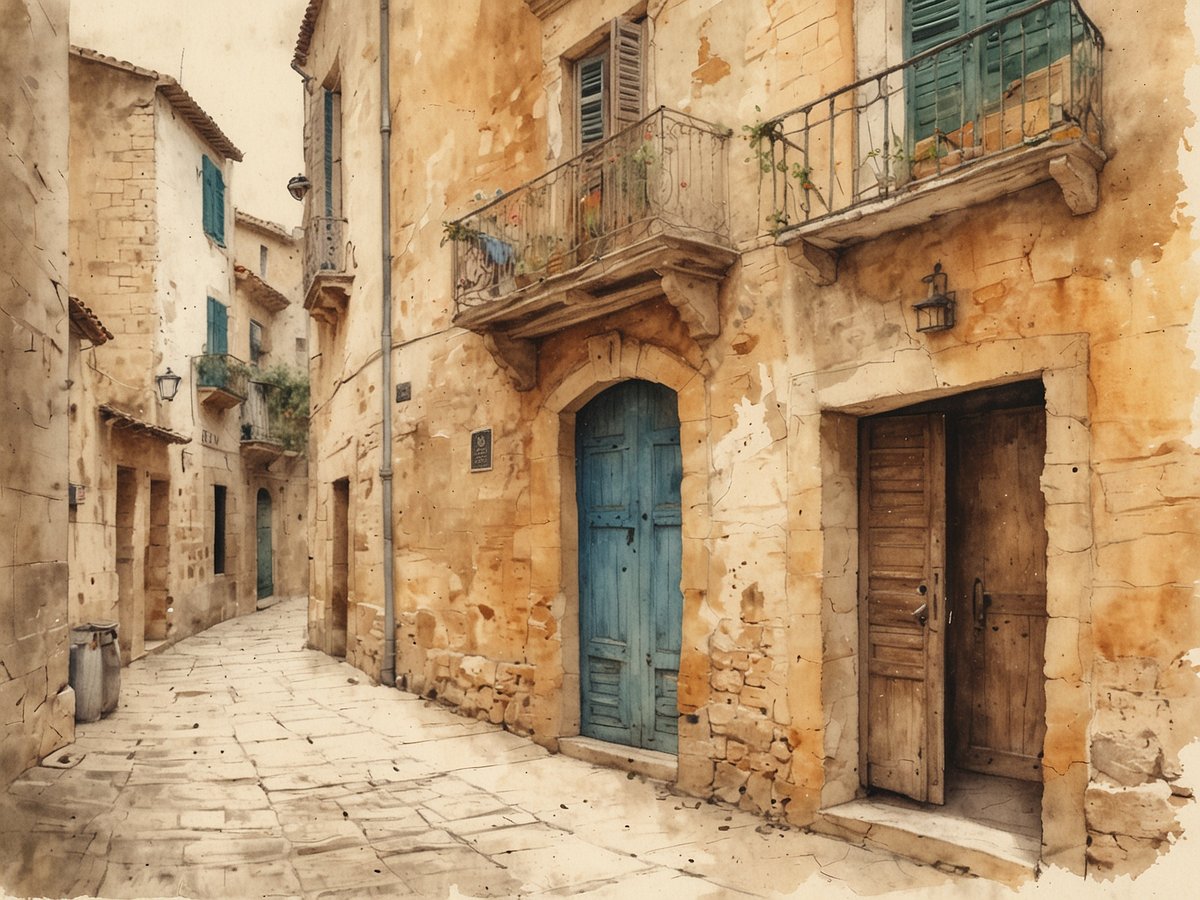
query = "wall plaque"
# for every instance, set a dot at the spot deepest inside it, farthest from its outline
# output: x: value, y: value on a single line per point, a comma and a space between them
x: 481, y: 450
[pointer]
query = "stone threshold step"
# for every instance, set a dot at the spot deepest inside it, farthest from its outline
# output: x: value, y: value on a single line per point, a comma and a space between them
x: 651, y: 763
x: 929, y: 836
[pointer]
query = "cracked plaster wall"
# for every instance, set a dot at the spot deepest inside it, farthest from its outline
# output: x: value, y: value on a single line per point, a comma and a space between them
x: 768, y: 674
x: 36, y: 706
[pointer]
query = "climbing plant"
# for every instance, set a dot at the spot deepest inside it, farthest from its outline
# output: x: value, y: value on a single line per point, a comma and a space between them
x: 287, y: 405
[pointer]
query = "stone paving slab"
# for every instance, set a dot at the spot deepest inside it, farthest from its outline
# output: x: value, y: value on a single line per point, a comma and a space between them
x: 240, y: 764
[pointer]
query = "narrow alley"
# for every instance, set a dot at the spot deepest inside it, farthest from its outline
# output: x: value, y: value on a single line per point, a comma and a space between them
x: 240, y: 764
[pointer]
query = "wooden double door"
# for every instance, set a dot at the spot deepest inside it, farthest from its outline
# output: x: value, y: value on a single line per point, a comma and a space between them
x: 628, y: 472
x: 952, y: 596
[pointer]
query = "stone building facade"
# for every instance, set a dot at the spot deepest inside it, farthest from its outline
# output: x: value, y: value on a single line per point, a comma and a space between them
x: 774, y: 388
x: 38, y: 706
x: 185, y: 511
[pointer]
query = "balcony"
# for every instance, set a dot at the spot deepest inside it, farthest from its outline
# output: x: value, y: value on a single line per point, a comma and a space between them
x: 326, y: 281
x: 640, y: 215
x: 220, y: 380
x: 1010, y: 104
x: 262, y: 437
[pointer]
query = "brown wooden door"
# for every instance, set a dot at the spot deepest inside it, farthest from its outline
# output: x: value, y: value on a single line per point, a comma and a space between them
x: 901, y: 585
x: 998, y: 584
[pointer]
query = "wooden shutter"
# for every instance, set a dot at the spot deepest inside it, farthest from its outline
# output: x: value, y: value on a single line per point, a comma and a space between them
x: 901, y: 604
x: 590, y: 101
x: 1030, y: 43
x: 936, y: 85
x: 218, y: 326
x: 327, y: 150
x: 626, y: 73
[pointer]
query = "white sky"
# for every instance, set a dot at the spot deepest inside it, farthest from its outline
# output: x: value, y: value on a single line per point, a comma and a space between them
x: 236, y: 61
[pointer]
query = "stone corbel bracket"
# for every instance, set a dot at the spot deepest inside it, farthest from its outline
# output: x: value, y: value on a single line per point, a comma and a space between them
x: 1079, y: 182
x: 517, y: 358
x: 694, y: 296
x: 819, y: 265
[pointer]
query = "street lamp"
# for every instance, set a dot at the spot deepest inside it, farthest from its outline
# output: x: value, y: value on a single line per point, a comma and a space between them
x: 168, y: 385
x: 936, y: 312
x: 298, y: 186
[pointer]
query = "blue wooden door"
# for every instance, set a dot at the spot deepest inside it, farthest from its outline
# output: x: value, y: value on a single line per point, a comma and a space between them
x: 628, y: 469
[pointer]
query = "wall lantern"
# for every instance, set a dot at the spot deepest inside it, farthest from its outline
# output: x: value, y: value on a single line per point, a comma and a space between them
x: 298, y: 186
x: 168, y: 384
x: 936, y: 312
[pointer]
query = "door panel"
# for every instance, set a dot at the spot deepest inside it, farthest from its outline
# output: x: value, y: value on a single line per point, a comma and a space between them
x: 999, y: 589
x: 266, y: 579
x: 628, y: 475
x: 902, y: 518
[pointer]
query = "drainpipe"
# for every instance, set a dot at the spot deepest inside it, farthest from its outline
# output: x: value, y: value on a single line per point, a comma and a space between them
x: 388, y: 670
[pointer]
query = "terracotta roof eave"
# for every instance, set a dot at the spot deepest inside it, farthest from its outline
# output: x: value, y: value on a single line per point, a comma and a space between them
x: 272, y: 228
x: 271, y: 297
x: 87, y: 323
x: 125, y: 421
x: 307, y: 25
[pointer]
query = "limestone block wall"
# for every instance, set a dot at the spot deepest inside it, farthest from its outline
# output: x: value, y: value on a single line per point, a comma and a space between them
x: 38, y: 707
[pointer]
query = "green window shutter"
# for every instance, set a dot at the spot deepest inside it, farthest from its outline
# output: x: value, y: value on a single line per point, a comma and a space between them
x: 327, y: 156
x: 213, y: 190
x: 218, y: 326
x: 1030, y: 43
x: 627, y: 81
x: 936, y: 85
x: 590, y: 77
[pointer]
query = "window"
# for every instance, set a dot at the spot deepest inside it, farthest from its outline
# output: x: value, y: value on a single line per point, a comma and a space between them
x: 957, y: 86
x: 331, y: 152
x: 218, y: 546
x: 609, y: 84
x: 213, y: 187
x: 257, y: 348
x: 262, y: 260
x: 218, y: 327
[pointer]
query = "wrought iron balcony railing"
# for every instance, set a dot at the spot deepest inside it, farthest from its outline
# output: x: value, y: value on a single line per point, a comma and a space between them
x: 222, y: 372
x: 324, y: 247
x: 665, y: 175
x: 258, y: 421
x: 1029, y: 78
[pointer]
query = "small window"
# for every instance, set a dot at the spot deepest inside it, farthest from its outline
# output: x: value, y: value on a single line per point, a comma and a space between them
x: 218, y: 326
x: 218, y: 529
x: 213, y: 188
x: 262, y: 260
x: 258, y: 348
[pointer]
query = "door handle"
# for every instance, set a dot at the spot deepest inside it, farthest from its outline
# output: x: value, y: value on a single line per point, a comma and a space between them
x: 921, y: 614
x: 980, y: 601
x: 648, y: 660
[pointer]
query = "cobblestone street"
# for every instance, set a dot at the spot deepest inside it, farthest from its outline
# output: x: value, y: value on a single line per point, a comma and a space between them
x: 240, y: 764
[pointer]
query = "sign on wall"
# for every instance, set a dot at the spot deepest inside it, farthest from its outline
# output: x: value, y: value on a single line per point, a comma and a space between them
x: 481, y: 450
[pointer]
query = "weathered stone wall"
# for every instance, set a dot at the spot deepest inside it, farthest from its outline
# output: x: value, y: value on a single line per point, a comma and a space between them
x: 1100, y: 308
x: 37, y: 706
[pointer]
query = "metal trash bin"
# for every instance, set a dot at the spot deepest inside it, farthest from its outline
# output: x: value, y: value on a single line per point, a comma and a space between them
x: 86, y: 673
x: 110, y: 656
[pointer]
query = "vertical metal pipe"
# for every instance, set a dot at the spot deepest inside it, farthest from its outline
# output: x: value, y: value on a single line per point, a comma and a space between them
x: 388, y: 669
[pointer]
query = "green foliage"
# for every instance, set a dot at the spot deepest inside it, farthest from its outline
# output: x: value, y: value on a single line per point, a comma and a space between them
x: 287, y: 405
x: 457, y: 231
x: 218, y: 370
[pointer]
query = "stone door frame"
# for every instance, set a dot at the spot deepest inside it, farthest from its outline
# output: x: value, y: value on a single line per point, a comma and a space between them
x: 832, y: 403
x: 610, y: 358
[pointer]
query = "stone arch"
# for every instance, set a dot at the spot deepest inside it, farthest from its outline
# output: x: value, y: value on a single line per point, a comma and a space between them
x: 554, y: 614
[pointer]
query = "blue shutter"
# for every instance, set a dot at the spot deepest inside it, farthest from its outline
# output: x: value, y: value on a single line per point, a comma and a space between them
x: 330, y: 114
x: 937, y: 84
x: 1029, y: 43
x: 218, y: 327
x: 213, y: 190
